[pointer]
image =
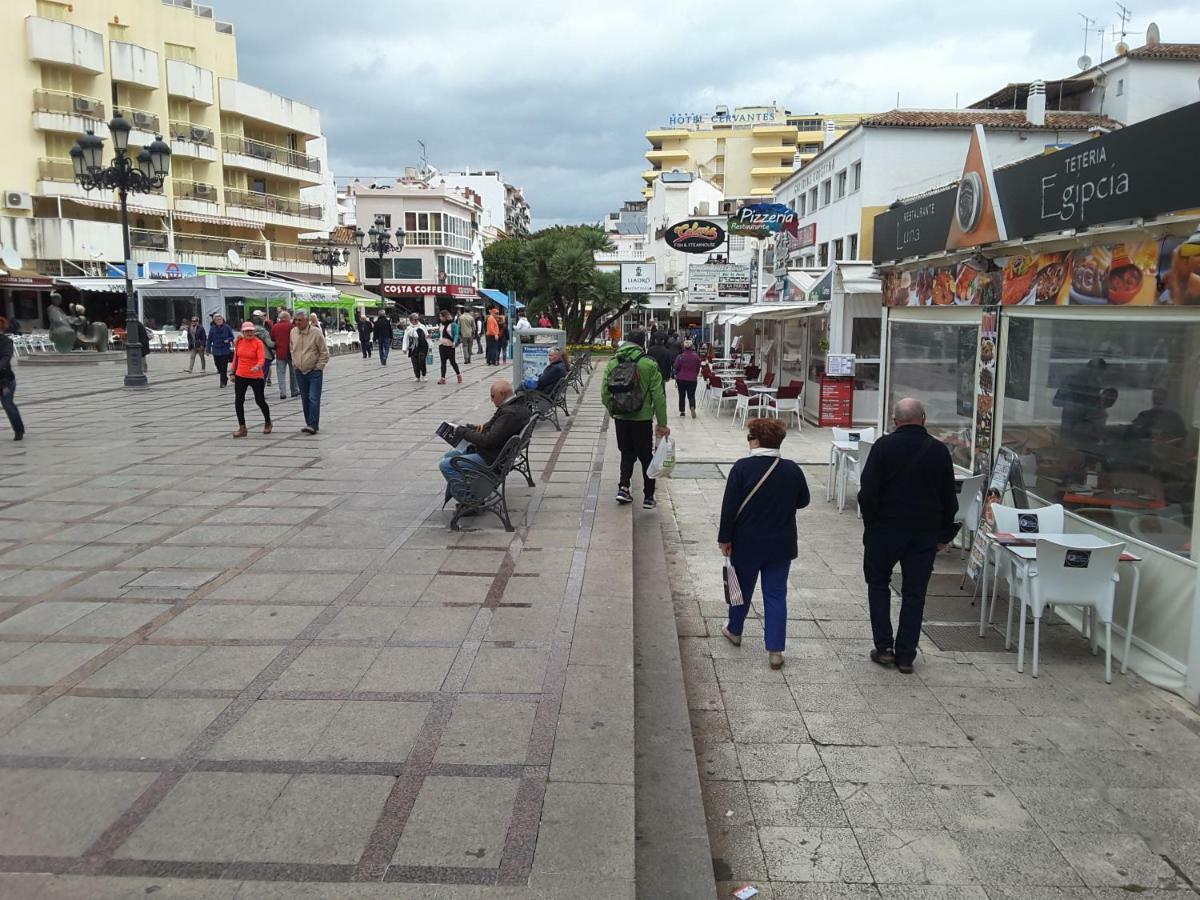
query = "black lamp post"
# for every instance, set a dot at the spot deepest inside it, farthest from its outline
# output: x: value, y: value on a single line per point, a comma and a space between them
x: 331, y: 255
x: 123, y: 175
x: 380, y: 243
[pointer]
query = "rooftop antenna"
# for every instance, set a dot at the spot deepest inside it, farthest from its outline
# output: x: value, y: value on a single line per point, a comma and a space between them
x: 1125, y: 14
x: 1089, y: 25
x: 424, y: 157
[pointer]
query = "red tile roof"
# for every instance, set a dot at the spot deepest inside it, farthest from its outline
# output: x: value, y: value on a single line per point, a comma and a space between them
x: 1166, y: 51
x: 989, y: 118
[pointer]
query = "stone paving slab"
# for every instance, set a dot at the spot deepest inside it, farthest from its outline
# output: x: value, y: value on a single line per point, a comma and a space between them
x: 834, y: 778
x: 288, y: 678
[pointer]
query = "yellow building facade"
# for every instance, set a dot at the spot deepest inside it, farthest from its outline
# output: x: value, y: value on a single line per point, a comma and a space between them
x: 745, y: 151
x: 248, y: 172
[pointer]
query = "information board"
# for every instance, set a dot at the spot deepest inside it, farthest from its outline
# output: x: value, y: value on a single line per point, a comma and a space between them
x: 839, y: 364
x: 1007, y: 466
x: 836, y: 402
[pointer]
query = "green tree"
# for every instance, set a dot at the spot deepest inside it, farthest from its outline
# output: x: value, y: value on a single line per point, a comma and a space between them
x: 554, y: 271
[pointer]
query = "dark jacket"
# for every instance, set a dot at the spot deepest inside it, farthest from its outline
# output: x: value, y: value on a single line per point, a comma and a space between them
x: 365, y: 331
x: 143, y: 337
x: 551, y: 375
x: 6, y: 357
x: 664, y: 357
x: 905, y: 491
x: 196, y: 337
x: 220, y: 340
x: 383, y: 329
x: 509, y: 418
x: 766, y: 530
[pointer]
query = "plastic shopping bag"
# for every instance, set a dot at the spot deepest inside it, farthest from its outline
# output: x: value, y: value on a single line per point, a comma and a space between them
x: 663, y: 463
x: 733, y: 590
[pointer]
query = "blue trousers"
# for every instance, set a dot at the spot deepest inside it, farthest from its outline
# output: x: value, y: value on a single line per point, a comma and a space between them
x: 385, y: 347
x: 455, y: 481
x: 8, y: 387
x: 310, y: 396
x: 281, y: 366
x: 774, y: 590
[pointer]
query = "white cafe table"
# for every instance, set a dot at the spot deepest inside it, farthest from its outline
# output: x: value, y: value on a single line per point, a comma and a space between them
x: 1023, y: 549
x: 763, y: 389
x: 839, y: 452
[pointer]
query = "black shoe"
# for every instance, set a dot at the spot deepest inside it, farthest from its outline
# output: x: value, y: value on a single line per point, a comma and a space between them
x: 307, y: 430
x: 886, y: 658
x: 904, y: 668
x: 648, y: 503
x: 623, y: 496
x: 19, y: 436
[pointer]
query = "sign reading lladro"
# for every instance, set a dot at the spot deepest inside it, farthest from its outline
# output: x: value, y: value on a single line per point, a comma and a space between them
x: 1133, y: 172
x: 695, y: 236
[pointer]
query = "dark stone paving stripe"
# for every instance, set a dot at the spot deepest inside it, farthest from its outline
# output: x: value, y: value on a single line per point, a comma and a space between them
x: 119, y: 831
x: 440, y: 875
x: 516, y: 860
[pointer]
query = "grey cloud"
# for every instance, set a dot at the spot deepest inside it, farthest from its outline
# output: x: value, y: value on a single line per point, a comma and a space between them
x: 557, y: 95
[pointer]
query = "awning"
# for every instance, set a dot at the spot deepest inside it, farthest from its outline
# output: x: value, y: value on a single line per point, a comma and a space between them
x: 224, y: 221
x: 770, y: 311
x: 112, y: 204
x: 499, y: 298
x: 23, y: 279
x: 105, y: 285
x: 859, y: 278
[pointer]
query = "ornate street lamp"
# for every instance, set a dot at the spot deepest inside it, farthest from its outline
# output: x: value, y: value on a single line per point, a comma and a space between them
x: 331, y: 255
x: 124, y: 175
x: 377, y: 240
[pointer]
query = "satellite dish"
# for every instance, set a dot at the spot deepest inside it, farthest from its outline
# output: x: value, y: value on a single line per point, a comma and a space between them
x: 10, y: 258
x: 1121, y: 49
x: 1084, y: 62
x: 1152, y: 36
x: 234, y: 259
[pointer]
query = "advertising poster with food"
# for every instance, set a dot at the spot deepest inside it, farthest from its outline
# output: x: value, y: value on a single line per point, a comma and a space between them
x: 975, y: 282
x: 986, y: 391
x: 1179, y: 271
x: 1125, y: 274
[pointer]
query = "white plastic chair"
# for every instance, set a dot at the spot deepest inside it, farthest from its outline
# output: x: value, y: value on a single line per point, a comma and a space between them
x: 1010, y: 519
x: 747, y: 403
x: 853, y: 472
x: 1071, y: 576
x: 970, y: 505
x: 790, y: 406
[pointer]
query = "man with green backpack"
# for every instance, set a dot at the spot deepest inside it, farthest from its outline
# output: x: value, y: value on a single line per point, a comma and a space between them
x: 633, y: 393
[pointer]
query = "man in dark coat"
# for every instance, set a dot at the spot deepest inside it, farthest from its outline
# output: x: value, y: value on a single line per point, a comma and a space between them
x: 908, y: 502
x: 488, y: 439
x: 383, y: 334
x: 661, y: 354
x: 366, y: 335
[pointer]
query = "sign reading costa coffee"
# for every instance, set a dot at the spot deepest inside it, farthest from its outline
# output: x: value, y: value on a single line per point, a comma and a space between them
x: 695, y: 236
x: 424, y: 289
x: 1135, y: 172
x: 915, y: 228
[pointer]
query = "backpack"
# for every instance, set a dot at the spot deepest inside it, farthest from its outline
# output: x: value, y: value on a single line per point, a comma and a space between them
x: 625, y: 395
x: 421, y: 344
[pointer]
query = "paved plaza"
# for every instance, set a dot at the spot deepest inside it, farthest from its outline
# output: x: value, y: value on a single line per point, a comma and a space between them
x: 230, y: 666
x: 834, y: 779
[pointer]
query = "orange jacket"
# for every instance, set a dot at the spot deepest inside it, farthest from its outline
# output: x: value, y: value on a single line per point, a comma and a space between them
x: 248, y: 352
x: 493, y: 327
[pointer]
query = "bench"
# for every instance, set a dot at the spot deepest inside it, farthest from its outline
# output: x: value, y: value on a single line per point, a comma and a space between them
x: 546, y: 406
x: 522, y: 462
x: 483, y: 487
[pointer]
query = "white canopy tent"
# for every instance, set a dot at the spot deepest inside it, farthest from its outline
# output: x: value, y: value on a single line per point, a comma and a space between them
x: 214, y: 291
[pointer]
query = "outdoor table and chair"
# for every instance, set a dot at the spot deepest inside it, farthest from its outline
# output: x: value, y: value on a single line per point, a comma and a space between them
x: 843, y: 448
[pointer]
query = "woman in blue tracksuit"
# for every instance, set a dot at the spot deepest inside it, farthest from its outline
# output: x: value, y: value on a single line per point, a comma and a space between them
x: 758, y: 530
x: 220, y: 346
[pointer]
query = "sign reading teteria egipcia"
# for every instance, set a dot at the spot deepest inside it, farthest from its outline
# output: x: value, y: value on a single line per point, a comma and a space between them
x: 761, y: 219
x: 695, y: 236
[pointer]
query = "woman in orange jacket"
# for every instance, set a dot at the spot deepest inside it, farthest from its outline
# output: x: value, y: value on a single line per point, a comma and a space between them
x: 249, y: 363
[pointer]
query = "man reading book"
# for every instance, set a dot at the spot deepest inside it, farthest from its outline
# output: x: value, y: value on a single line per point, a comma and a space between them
x: 488, y: 439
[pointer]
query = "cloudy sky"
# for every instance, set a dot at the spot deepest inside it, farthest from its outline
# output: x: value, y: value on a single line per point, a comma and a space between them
x: 557, y: 94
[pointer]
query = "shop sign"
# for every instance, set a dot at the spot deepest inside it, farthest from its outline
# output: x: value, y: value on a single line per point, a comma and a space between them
x: 637, y: 278
x: 159, y: 271
x: 761, y: 219
x: 418, y: 289
x: 805, y: 237
x: 695, y: 236
x: 737, y: 117
x: 914, y: 229
x: 716, y: 283
x: 822, y: 291
x: 1134, y: 172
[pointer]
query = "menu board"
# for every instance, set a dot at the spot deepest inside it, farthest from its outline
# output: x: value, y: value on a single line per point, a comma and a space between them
x: 986, y: 392
x: 1003, y: 469
x: 837, y: 364
x: 836, y: 403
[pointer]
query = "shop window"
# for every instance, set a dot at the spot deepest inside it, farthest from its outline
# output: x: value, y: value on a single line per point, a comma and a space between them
x: 853, y: 247
x: 838, y: 246
x: 856, y: 176
x: 406, y: 268
x: 826, y: 191
x: 812, y: 200
x: 1104, y: 415
x: 841, y: 184
x: 935, y: 363
x: 823, y: 257
x: 800, y: 204
x: 866, y: 335
x: 818, y: 346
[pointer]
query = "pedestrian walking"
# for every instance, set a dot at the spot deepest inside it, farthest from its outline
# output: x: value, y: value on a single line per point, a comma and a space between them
x: 220, y: 346
x: 8, y: 381
x: 281, y: 334
x: 141, y: 334
x: 310, y: 355
x: 544, y: 321
x: 632, y: 391
x: 249, y: 365
x: 687, y: 372
x: 196, y: 338
x: 416, y: 345
x: 466, y: 333
x: 908, y: 503
x: 479, y: 328
x: 262, y: 330
x: 492, y: 330
x: 365, y: 335
x: 383, y: 334
x: 447, y: 339
x: 502, y: 340
x: 758, y: 531
x: 660, y: 354
x: 523, y: 323
x: 314, y: 319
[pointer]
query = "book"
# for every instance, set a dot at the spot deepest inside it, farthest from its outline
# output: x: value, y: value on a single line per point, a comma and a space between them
x: 446, y: 432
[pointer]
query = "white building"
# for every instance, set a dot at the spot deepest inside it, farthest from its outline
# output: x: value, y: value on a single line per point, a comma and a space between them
x: 626, y: 228
x: 500, y: 201
x: 1142, y: 83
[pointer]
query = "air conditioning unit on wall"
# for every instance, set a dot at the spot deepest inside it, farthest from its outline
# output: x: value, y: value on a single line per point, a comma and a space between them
x: 17, y: 200
x: 144, y: 120
x: 85, y: 106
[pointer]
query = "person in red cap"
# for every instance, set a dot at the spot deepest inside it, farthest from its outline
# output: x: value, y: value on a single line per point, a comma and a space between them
x: 249, y: 363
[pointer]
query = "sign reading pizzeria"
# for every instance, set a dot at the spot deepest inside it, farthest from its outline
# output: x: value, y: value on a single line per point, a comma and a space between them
x: 761, y: 219
x: 695, y: 236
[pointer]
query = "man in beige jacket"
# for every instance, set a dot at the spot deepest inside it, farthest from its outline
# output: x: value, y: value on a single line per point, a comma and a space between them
x: 309, y: 357
x: 466, y: 332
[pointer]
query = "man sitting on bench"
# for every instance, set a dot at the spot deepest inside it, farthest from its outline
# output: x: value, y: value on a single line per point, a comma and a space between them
x: 486, y: 440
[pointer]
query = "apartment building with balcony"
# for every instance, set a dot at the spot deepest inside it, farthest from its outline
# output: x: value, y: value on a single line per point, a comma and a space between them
x: 505, y: 210
x: 626, y: 228
x: 248, y: 168
x: 815, y: 131
x: 441, y: 264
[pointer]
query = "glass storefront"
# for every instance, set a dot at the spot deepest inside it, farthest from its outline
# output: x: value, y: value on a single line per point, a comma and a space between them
x: 935, y: 362
x: 1104, y: 414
